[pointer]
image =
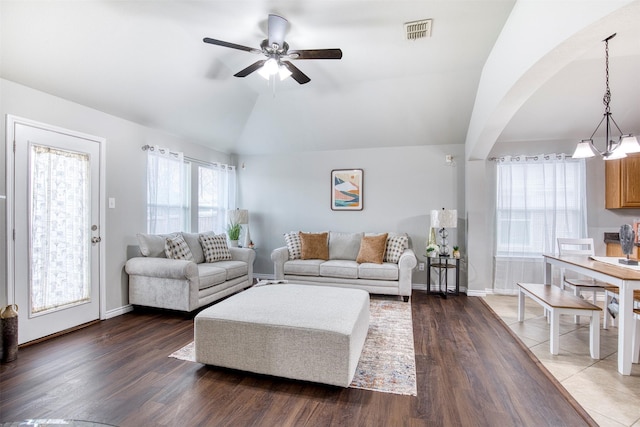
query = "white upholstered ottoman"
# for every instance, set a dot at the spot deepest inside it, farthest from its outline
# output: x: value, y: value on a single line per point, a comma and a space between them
x: 303, y: 332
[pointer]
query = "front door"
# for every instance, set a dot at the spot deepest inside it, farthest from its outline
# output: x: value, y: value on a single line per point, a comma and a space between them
x: 56, y: 252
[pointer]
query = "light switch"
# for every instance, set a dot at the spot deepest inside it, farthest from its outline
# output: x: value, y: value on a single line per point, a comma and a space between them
x: 112, y: 202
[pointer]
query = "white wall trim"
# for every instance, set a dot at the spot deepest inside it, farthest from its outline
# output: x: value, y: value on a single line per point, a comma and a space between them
x: 118, y: 311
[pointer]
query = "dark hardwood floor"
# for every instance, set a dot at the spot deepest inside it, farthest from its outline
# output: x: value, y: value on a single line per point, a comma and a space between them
x: 470, y: 372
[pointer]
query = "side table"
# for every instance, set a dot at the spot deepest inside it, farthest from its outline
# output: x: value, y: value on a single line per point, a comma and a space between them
x: 442, y: 264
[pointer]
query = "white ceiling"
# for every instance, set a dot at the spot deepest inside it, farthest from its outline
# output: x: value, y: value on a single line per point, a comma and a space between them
x: 145, y: 61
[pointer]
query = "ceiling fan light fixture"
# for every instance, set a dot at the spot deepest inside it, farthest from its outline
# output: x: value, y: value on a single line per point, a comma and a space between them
x: 284, y: 72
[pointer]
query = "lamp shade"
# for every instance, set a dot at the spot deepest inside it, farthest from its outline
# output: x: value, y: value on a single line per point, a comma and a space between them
x: 583, y: 150
x: 444, y: 218
x: 238, y: 216
x: 629, y: 144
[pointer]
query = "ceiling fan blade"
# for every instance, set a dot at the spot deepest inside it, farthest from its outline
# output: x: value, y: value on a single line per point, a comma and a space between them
x: 231, y: 45
x: 316, y: 54
x: 296, y: 74
x: 277, y: 26
x: 250, y: 69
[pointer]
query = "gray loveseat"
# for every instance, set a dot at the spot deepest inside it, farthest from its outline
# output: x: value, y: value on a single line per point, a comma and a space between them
x: 190, y: 283
x: 376, y: 263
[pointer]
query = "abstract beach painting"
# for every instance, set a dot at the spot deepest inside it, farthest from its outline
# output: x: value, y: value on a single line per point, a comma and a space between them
x: 346, y: 189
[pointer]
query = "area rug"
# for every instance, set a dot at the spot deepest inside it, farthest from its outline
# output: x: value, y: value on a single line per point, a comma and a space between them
x: 387, y: 363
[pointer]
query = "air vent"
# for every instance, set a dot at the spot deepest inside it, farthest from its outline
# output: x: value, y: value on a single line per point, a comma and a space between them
x: 418, y: 29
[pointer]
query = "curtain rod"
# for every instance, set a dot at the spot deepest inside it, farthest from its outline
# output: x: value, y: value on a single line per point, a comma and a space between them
x: 191, y: 159
x: 537, y: 157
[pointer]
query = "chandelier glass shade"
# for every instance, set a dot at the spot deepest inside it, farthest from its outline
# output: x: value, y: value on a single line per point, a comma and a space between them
x: 615, y: 148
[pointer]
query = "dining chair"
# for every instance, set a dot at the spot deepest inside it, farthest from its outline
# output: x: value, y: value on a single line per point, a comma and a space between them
x: 579, y: 284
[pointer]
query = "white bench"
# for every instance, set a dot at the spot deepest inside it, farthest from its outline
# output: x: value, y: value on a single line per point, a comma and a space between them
x: 558, y: 302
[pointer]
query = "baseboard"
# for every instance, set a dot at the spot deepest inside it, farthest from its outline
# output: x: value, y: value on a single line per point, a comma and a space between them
x: 118, y: 311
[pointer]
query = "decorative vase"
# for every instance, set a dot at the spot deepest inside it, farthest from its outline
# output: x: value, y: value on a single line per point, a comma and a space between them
x: 9, y: 326
x: 456, y: 254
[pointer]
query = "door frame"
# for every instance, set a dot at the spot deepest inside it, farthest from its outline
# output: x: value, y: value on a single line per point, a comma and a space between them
x: 11, y: 122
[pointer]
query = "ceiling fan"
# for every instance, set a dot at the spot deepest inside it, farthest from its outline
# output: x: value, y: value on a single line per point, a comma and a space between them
x: 276, y: 51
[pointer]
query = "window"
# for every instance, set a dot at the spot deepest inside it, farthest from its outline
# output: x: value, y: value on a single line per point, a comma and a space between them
x: 216, y: 195
x: 186, y: 194
x: 538, y: 199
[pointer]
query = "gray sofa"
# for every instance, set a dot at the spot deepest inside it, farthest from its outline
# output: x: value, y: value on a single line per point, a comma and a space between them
x: 186, y: 284
x: 342, y: 264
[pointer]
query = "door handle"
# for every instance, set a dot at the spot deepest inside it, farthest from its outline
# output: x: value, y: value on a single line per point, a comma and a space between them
x: 97, y: 239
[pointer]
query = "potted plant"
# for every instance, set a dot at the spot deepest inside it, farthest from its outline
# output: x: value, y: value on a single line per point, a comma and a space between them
x: 456, y: 252
x: 432, y: 250
x: 233, y: 231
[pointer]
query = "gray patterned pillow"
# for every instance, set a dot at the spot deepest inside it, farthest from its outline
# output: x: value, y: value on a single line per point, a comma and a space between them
x: 293, y: 244
x: 215, y: 247
x: 177, y: 248
x: 395, y: 247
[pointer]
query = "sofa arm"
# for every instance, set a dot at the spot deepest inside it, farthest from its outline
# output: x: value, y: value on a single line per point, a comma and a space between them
x: 243, y: 254
x: 162, y: 267
x: 279, y: 256
x: 407, y: 260
x: 406, y: 264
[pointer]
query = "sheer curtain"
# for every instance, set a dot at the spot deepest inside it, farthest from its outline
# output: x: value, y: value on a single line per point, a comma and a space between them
x: 59, y: 227
x: 538, y: 199
x: 167, y: 191
x: 216, y: 195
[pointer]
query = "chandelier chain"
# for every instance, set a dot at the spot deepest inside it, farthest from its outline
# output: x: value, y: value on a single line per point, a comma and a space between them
x: 607, y: 94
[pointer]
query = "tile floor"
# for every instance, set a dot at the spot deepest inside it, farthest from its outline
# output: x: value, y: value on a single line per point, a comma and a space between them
x: 610, y: 398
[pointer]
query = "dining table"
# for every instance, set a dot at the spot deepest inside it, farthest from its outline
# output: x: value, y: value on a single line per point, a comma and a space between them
x: 611, y: 271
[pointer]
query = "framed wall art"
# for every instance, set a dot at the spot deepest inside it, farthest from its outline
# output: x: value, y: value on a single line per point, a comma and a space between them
x: 346, y: 189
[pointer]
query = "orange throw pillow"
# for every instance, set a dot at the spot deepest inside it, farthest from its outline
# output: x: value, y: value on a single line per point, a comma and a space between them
x: 372, y: 249
x: 314, y: 245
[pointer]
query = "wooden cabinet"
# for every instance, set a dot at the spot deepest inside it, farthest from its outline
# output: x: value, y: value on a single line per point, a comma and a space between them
x: 622, y: 181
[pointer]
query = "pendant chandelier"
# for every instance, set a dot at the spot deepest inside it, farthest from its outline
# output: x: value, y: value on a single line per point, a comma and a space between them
x: 623, y: 144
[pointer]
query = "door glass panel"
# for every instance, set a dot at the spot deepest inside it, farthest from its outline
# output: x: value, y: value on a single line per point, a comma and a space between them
x: 59, y: 222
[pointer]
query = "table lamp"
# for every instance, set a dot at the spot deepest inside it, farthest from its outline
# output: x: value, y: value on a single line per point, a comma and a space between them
x: 443, y: 219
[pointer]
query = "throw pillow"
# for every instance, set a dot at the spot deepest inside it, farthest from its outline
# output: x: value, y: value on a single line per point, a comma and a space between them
x: 372, y: 249
x: 215, y: 247
x: 177, y: 248
x: 344, y: 245
x: 314, y: 246
x: 395, y: 247
x: 152, y: 245
x: 292, y: 240
x: 193, y: 240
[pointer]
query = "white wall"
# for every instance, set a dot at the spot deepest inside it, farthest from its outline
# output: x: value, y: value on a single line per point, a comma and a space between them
x: 401, y: 185
x: 125, y: 173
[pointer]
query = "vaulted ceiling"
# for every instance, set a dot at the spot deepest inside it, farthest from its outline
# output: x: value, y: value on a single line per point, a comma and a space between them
x: 145, y: 61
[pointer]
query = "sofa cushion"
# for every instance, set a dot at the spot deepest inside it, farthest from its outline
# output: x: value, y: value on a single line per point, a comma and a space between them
x: 303, y: 267
x: 152, y: 245
x: 384, y: 271
x: 215, y: 247
x: 193, y: 241
x: 339, y: 268
x: 372, y: 249
x: 176, y: 248
x: 344, y: 245
x: 395, y: 247
x: 234, y: 268
x: 292, y: 239
x: 314, y: 245
x: 211, y: 275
